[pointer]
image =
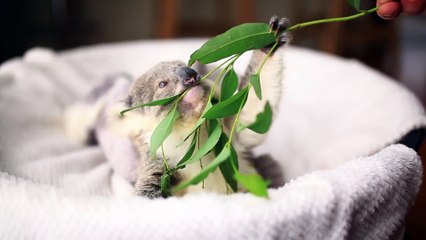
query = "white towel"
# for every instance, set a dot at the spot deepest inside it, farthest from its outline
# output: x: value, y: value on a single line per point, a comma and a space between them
x: 332, y: 111
x: 364, y: 199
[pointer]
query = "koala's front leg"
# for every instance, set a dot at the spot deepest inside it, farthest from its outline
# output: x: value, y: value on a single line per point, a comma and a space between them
x: 148, y: 183
x: 271, y: 83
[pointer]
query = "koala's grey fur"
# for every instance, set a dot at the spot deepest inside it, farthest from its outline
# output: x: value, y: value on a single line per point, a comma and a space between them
x: 138, y: 125
x: 145, y: 88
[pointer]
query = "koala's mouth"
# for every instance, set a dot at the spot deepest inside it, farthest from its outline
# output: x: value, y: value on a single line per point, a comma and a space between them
x: 193, y: 101
x: 193, y: 96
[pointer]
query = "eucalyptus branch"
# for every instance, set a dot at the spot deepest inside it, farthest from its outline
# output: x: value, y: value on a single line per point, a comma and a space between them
x: 330, y: 20
x: 163, y: 157
x: 216, y: 81
x: 233, y: 58
x: 229, y: 46
x: 237, y: 118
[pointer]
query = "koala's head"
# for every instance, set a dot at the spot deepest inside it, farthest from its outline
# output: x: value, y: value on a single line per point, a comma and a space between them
x: 167, y: 79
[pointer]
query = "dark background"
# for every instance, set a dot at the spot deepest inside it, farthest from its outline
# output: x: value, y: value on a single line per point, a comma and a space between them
x: 396, y: 47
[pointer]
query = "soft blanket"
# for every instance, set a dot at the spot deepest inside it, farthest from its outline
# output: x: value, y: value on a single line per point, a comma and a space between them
x: 334, y: 114
x: 364, y: 199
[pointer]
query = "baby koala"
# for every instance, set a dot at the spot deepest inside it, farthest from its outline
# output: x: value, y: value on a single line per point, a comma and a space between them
x: 125, y: 139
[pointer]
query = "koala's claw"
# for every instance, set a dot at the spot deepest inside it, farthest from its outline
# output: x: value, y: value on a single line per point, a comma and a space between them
x: 278, y: 24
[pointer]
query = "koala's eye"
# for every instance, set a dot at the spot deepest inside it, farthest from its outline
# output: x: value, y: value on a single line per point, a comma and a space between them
x: 163, y: 84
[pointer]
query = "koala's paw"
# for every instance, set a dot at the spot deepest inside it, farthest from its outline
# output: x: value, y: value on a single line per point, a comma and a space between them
x: 279, y: 26
x: 149, y: 190
x: 149, y: 181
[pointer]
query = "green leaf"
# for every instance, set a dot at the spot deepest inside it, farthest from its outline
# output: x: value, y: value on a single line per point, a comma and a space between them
x: 234, y: 41
x: 228, y: 107
x: 263, y: 120
x: 254, y: 183
x: 229, y: 85
x: 255, y: 82
x: 231, y: 168
x: 188, y: 153
x: 223, y: 155
x: 226, y: 167
x: 163, y: 130
x: 355, y: 4
x: 208, y: 144
x: 234, y: 157
x: 165, y: 184
x: 161, y: 102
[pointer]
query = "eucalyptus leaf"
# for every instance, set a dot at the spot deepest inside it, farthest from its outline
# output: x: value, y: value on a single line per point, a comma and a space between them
x: 212, y: 125
x: 165, y: 184
x: 263, y: 120
x: 255, y: 82
x: 234, y: 41
x: 163, y: 130
x: 226, y: 167
x: 254, y: 183
x: 159, y: 102
x: 189, y: 152
x: 355, y: 4
x: 208, y: 145
x: 234, y: 158
x: 229, y: 84
x: 229, y: 168
x: 228, y: 107
x: 223, y: 155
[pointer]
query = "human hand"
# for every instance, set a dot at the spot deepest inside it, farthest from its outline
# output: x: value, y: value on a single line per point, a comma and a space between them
x: 390, y: 9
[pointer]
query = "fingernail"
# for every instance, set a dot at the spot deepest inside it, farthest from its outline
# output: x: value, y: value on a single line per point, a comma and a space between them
x: 388, y: 17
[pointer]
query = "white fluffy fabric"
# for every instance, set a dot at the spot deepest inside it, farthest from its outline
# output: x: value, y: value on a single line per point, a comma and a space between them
x: 335, y: 114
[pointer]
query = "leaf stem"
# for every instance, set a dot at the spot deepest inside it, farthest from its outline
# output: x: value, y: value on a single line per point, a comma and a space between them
x: 216, y: 81
x: 329, y: 20
x: 231, y: 134
x: 165, y: 163
x: 220, y: 65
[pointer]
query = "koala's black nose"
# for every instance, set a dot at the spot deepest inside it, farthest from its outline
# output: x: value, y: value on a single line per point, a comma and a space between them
x: 188, y: 76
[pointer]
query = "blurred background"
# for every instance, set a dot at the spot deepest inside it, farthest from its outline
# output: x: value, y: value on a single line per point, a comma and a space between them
x: 396, y: 48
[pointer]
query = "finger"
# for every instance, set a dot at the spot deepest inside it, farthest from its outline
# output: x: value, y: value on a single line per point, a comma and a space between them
x: 389, y: 10
x: 413, y: 7
x: 381, y: 2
